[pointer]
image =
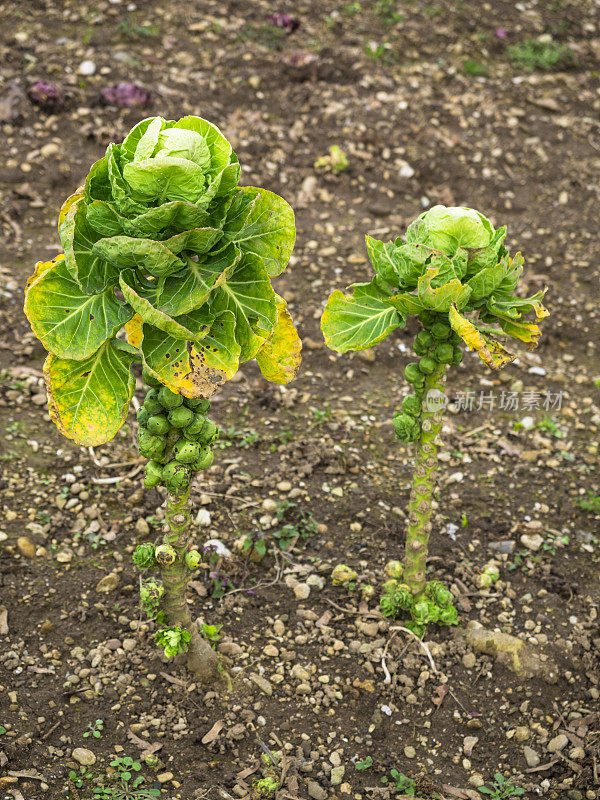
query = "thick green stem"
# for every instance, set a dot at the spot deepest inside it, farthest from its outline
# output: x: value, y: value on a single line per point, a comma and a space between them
x: 200, y: 657
x: 421, y: 496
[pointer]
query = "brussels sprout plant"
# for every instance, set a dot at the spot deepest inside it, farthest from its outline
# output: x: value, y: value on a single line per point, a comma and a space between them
x: 454, y: 272
x: 167, y: 262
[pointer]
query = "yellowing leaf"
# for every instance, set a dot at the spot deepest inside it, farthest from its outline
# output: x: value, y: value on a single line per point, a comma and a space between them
x: 279, y: 358
x: 40, y: 268
x: 490, y: 352
x: 179, y: 365
x: 68, y: 203
x: 441, y: 298
x: 133, y: 329
x: 88, y: 400
x: 525, y: 331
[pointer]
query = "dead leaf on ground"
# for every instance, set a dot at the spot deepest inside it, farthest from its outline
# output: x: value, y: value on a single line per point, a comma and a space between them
x: 214, y: 732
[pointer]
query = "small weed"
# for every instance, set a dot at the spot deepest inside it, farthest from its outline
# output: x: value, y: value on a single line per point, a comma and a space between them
x: 540, y: 55
x: 94, y: 729
x: 131, y: 31
x: 352, y: 8
x: 474, y: 68
x: 388, y: 10
x: 322, y: 414
x: 383, y: 52
x: 549, y: 425
x: 401, y: 782
x: 590, y: 503
x: 366, y: 763
x: 212, y: 633
x: 501, y: 789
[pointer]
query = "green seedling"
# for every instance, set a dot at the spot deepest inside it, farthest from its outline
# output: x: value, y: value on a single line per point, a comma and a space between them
x: 501, y: 789
x: 366, y: 763
x: 167, y: 263
x: 455, y: 274
x: 94, y: 729
x: 590, y: 503
x: 545, y: 56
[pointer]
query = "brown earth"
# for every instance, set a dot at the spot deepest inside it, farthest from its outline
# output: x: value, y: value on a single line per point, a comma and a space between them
x: 418, y: 128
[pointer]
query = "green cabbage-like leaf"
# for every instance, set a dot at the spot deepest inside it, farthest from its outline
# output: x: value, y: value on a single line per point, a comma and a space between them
x: 359, y: 320
x: 68, y: 322
x: 88, y: 399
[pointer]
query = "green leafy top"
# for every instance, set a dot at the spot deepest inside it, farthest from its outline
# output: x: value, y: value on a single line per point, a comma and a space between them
x: 452, y: 263
x: 168, y: 261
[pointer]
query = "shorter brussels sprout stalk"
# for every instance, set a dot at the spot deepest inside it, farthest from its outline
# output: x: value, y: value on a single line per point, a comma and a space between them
x: 176, y: 437
x: 180, y: 634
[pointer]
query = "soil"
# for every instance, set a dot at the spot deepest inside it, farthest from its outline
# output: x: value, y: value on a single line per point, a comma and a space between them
x: 428, y: 107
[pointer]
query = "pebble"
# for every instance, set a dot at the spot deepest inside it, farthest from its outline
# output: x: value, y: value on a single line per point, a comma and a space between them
x: 558, y: 743
x: 165, y: 777
x: 577, y: 754
x: 86, y: 68
x: 302, y: 591
x: 142, y: 527
x: 337, y: 775
x: 108, y: 583
x: 315, y: 582
x: 476, y: 780
x: 129, y: 645
x: 532, y: 541
x: 26, y: 547
x: 299, y: 673
x: 469, y: 660
x: 531, y: 757
x: 271, y: 651
x: 284, y: 486
x: 263, y: 684
x: 316, y: 791
x: 410, y: 751
x: 84, y: 757
x: 522, y: 733
x: 504, y: 546
x: 278, y: 627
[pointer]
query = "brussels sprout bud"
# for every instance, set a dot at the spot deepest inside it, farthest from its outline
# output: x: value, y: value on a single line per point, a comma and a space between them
x: 341, y: 574
x: 176, y: 477
x: 142, y: 416
x: 457, y: 355
x: 169, y: 399
x: 150, y: 446
x: 390, y: 586
x: 438, y: 593
x: 144, y: 556
x: 489, y: 576
x: 199, y: 405
x: 394, y: 569
x: 412, y: 373
x: 152, y: 405
x: 205, y: 459
x: 411, y: 405
x: 149, y: 379
x: 192, y: 559
x: 448, y: 616
x: 186, y: 452
x: 440, y: 331
x: 424, y: 611
x: 367, y: 591
x: 195, y: 427
x: 406, y: 428
x: 165, y: 555
x: 427, y: 318
x: 209, y: 432
x: 153, y: 475
x: 424, y: 340
x: 158, y: 424
x: 181, y: 417
x: 444, y: 353
x: 427, y: 366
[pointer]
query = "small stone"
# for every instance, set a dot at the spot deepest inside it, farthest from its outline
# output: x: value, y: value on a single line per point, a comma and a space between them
x: 271, y: 651
x: 302, y: 591
x: 263, y: 684
x: 108, y: 583
x: 410, y: 751
x: 315, y: 582
x: 50, y: 149
x: 503, y: 546
x: 278, y: 627
x: 337, y: 775
x: 86, y: 68
x: 316, y: 791
x: 299, y: 673
x: 142, y: 527
x: 531, y: 757
x: 165, y: 777
x: 577, y: 754
x: 26, y: 547
x: 469, y: 660
x: 532, y: 541
x: 476, y: 780
x: 284, y: 486
x: 129, y: 645
x: 84, y: 757
x: 522, y: 733
x: 230, y: 649
x: 558, y: 743
x: 64, y: 556
x: 469, y: 743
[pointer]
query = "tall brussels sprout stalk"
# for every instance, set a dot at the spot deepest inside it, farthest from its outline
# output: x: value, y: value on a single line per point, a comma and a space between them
x: 167, y: 263
x: 453, y: 272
